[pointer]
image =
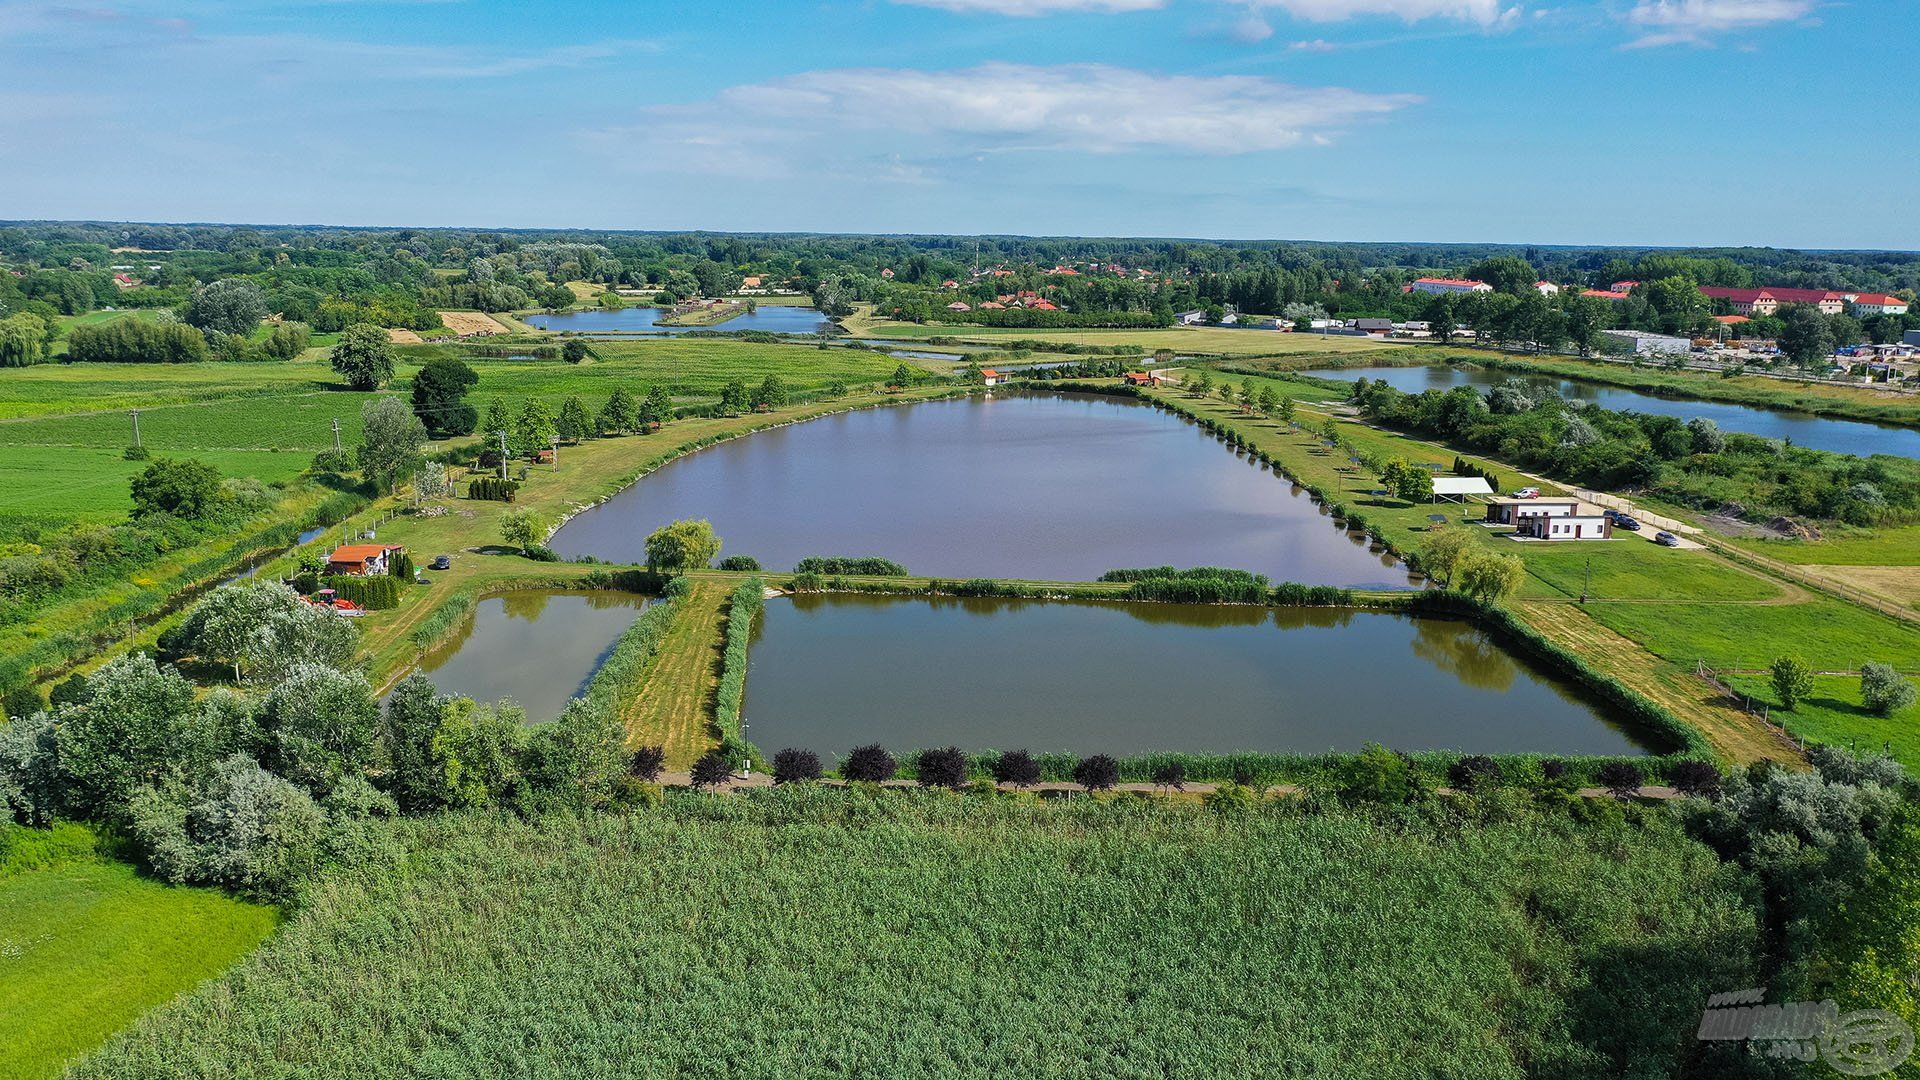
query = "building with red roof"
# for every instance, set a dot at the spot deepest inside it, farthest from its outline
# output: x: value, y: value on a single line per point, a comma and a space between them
x: 1769, y: 300
x: 361, y: 560
x: 1867, y: 305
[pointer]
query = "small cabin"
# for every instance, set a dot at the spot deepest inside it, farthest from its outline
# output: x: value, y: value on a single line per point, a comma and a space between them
x: 991, y: 377
x: 1141, y: 378
x: 1585, y: 525
x: 361, y: 560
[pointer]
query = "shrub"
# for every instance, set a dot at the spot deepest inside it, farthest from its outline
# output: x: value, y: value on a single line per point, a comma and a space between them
x: 1172, y: 774
x: 1557, y: 773
x: 1792, y: 680
x: 1016, y: 767
x: 807, y: 583
x: 251, y: 831
x: 682, y: 545
x: 794, y: 765
x: 1883, y: 691
x: 335, y: 462
x: 1377, y: 774
x: 712, y: 770
x: 646, y: 762
x: 946, y: 767
x: 1621, y: 778
x: 1697, y: 778
x: 869, y: 764
x: 740, y: 563
x: 743, y: 608
x: 135, y: 453
x: 376, y: 593
x: 491, y: 489
x: 1097, y: 773
x: 869, y: 567
x: 1230, y: 799
x: 1473, y: 773
x: 186, y: 488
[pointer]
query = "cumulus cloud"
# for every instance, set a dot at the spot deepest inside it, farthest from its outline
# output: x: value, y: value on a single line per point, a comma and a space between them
x: 1026, y: 8
x: 1700, y: 22
x: 1483, y: 12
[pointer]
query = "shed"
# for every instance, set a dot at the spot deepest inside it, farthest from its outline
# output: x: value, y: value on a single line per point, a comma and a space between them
x: 1457, y: 488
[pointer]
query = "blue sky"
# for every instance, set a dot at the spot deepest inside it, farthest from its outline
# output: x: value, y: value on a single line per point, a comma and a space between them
x: 1786, y: 122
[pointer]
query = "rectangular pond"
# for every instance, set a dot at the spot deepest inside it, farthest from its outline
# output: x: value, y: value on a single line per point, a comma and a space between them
x: 1038, y: 486
x: 1803, y: 429
x: 833, y: 672
x: 537, y: 647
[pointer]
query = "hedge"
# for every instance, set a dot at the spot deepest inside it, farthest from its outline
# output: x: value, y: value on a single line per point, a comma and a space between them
x: 742, y: 609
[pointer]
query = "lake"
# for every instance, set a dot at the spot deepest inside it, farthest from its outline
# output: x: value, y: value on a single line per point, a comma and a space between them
x: 829, y: 673
x: 772, y: 318
x: 1017, y: 485
x: 538, y: 647
x: 1819, y: 432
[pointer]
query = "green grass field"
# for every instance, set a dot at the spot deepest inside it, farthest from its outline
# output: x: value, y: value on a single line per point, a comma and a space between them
x: 1829, y: 634
x: 87, y: 945
x: 1630, y: 568
x: 809, y: 932
x: 1833, y: 714
x: 1862, y: 547
x: 90, y: 483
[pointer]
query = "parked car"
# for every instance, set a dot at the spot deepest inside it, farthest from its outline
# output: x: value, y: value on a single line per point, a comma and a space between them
x: 1527, y: 493
x: 441, y: 562
x: 1666, y: 539
x: 1622, y: 519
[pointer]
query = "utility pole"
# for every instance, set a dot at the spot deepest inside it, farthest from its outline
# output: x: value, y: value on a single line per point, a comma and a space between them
x: 1587, y: 586
x: 503, y: 455
x: 135, y: 413
x: 556, y: 451
x: 336, y: 435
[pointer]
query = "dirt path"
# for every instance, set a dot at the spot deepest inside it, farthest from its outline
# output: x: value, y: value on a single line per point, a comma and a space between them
x: 1734, y: 735
x: 674, y: 708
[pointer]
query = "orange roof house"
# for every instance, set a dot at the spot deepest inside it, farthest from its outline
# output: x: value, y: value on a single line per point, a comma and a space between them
x: 361, y: 560
x: 1141, y: 378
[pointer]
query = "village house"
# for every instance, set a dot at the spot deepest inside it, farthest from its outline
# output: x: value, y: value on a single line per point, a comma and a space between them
x: 1191, y: 318
x: 991, y: 377
x: 1614, y: 295
x: 1546, y: 288
x: 1510, y: 511
x: 1551, y: 518
x: 1141, y: 378
x: 361, y: 560
x: 958, y: 306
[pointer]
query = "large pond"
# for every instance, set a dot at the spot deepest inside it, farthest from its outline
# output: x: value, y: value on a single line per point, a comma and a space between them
x: 1818, y: 432
x: 1013, y: 485
x: 833, y: 672
x: 539, y: 648
x: 772, y: 318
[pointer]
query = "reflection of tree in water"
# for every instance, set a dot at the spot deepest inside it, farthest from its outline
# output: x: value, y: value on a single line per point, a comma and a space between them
x: 1465, y: 652
x: 528, y: 604
x: 1318, y: 618
x: 604, y: 599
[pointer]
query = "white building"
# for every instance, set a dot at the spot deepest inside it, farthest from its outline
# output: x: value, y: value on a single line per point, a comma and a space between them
x: 1436, y: 285
x: 1645, y: 344
x: 1868, y: 305
x: 1191, y: 318
x: 1547, y: 288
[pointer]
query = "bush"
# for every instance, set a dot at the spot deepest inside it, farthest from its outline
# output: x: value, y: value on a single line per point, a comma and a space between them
x: 1696, y: 778
x: 334, y: 462
x: 807, y: 583
x: 712, y: 770
x: 1473, y: 773
x: 1378, y: 775
x: 251, y: 831
x: 135, y: 453
x: 740, y: 563
x: 1230, y: 799
x: 1792, y: 680
x: 1621, y: 778
x: 743, y: 609
x: 1171, y: 774
x: 376, y: 593
x: 946, y: 767
x: 794, y: 765
x: 1097, y: 773
x: 646, y: 762
x: 1883, y: 690
x: 869, y: 764
x: 185, y: 488
x: 1016, y: 767
x: 869, y: 567
x: 1557, y: 774
x: 491, y: 489
x: 541, y: 553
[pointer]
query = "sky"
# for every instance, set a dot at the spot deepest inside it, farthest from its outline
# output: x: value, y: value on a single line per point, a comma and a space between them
x: 1646, y: 122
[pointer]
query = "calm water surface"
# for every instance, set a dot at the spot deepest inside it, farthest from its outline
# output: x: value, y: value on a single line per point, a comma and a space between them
x: 1818, y: 432
x: 833, y: 672
x: 1040, y: 486
x: 538, y: 648
x: 773, y: 318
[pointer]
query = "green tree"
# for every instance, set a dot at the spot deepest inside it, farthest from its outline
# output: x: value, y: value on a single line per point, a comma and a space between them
x: 439, y: 397
x: 617, y: 415
x: 499, y: 422
x: 286, y: 340
x: 139, y: 725
x: 523, y: 528
x: 574, y: 351
x: 1792, y: 681
x: 682, y: 545
x: 263, y: 629
x: 1489, y: 578
x: 734, y: 397
x: 185, y: 488
x: 770, y: 394
x: 1287, y: 409
x: 1806, y: 338
x: 319, y: 726
x: 657, y: 408
x: 1440, y: 555
x: 1586, y: 317
x: 535, y: 429
x: 228, y: 306
x: 903, y: 376
x: 573, y: 423
x: 391, y: 441
x: 1883, y: 691
x: 364, y: 357
x: 1509, y: 274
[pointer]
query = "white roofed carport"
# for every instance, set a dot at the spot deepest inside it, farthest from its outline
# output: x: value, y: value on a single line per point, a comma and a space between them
x: 1459, y: 487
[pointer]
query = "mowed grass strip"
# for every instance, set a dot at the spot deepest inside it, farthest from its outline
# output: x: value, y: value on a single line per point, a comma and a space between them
x: 674, y: 705
x: 88, y: 945
x: 813, y: 931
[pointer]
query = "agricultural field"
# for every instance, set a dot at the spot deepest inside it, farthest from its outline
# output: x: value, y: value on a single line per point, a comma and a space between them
x: 799, y: 932
x: 467, y: 323
x: 88, y: 945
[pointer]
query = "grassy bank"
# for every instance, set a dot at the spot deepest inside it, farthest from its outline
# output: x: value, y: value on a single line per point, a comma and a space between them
x: 1096, y: 939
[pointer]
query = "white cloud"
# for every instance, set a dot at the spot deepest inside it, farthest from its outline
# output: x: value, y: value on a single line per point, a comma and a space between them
x: 1483, y: 12
x: 1699, y: 22
x: 1024, y: 8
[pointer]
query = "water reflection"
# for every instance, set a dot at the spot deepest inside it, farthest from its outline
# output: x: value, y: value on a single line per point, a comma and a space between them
x: 537, y: 647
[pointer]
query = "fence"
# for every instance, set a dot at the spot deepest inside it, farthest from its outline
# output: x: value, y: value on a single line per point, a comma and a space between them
x: 1749, y: 704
